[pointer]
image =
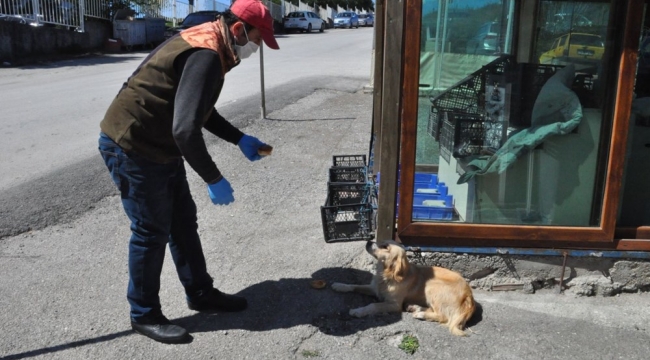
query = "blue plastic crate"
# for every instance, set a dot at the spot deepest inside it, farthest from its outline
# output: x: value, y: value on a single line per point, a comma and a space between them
x: 426, y: 178
x: 419, y: 198
x: 432, y: 213
x: 444, y: 210
x: 420, y: 179
x: 439, y: 189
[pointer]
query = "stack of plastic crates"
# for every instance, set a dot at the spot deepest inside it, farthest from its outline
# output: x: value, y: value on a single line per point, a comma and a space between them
x: 348, y: 212
x: 431, y: 199
x: 458, y: 119
x: 467, y: 96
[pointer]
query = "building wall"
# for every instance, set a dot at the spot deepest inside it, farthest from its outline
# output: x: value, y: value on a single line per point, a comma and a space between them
x: 22, y: 43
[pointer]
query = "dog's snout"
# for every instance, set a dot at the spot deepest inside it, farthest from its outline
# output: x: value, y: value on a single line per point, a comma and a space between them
x: 369, y: 246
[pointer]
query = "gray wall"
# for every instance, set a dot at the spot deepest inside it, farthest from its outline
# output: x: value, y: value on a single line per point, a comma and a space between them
x: 20, y: 44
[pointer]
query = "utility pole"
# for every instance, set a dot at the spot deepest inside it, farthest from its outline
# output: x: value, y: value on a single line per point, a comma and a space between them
x: 263, y: 105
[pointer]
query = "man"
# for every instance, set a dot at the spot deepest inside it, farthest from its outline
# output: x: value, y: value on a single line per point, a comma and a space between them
x: 155, y: 122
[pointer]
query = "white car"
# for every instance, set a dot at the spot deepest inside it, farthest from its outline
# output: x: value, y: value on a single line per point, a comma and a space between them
x: 303, y: 21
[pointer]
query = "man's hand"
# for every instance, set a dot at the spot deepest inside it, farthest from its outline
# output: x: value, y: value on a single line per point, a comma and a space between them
x: 249, y: 146
x: 221, y: 192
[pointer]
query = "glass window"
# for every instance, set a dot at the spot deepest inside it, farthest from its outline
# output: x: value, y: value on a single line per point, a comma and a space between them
x: 502, y: 139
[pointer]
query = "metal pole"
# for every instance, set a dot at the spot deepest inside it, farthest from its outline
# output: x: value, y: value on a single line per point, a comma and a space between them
x: 36, y: 11
x: 262, y: 80
x: 174, y: 14
x: 82, y: 13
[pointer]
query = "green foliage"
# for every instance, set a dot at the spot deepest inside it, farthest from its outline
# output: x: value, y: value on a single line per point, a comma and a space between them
x: 410, y: 344
x: 310, y: 353
x: 114, y: 5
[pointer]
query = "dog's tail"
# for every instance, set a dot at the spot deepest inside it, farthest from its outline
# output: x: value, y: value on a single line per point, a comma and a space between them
x: 462, y: 314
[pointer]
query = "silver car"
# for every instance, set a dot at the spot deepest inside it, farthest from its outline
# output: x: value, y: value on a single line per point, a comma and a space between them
x: 366, y: 20
x: 347, y: 19
x: 303, y: 21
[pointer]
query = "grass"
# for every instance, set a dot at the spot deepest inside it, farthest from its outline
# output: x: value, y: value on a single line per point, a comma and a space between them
x: 409, y: 344
x: 310, y: 353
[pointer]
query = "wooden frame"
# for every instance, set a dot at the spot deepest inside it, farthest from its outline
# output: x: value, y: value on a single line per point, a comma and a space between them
x: 441, y: 234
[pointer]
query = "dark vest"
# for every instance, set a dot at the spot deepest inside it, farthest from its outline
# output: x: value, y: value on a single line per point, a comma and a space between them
x: 140, y: 117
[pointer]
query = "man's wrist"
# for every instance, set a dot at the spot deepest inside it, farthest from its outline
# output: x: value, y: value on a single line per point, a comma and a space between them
x: 215, y: 180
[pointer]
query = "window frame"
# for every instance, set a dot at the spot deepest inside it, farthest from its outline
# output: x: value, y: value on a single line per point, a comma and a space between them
x: 463, y: 234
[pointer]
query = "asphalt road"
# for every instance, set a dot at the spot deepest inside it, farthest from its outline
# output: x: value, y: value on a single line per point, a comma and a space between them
x: 63, y: 282
x: 51, y: 114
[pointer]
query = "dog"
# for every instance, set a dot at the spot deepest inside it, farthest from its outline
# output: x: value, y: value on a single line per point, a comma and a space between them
x: 430, y: 293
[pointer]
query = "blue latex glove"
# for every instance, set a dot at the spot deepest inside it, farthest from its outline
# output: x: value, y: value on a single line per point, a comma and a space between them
x: 249, y: 145
x: 221, y: 192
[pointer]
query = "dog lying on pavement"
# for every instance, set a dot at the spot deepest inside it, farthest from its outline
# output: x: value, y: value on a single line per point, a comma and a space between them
x: 431, y: 293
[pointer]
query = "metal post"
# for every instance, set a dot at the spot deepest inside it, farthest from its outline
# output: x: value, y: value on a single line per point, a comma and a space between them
x: 174, y: 14
x: 262, y: 80
x: 37, y: 10
x: 82, y: 13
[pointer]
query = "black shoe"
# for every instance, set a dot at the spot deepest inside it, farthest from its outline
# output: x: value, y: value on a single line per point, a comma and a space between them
x: 215, y: 300
x: 161, y: 329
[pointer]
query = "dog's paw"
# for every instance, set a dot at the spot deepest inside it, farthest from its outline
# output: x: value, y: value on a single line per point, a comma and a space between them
x: 419, y: 315
x: 414, y: 308
x: 357, y: 312
x: 340, y: 287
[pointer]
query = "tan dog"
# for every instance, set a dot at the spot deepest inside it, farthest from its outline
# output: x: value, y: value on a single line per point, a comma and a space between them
x: 430, y: 293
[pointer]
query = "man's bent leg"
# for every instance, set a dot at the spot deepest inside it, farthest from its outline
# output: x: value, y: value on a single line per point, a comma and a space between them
x: 184, y: 242
x: 185, y: 247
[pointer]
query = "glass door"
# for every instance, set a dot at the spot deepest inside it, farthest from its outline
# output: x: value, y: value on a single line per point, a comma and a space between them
x: 516, y: 109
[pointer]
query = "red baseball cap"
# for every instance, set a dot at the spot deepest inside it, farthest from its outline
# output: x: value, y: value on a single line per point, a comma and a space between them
x: 254, y: 13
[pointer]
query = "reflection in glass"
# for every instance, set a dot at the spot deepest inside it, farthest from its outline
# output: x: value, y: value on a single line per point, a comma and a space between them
x: 507, y: 138
x: 635, y: 202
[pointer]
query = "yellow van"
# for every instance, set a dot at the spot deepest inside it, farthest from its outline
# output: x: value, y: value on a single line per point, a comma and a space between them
x: 577, y: 48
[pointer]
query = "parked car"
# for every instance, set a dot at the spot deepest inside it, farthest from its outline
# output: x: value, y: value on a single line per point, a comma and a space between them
x: 193, y: 19
x: 346, y: 19
x: 366, y: 20
x: 486, y: 39
x: 303, y: 21
x: 584, y: 50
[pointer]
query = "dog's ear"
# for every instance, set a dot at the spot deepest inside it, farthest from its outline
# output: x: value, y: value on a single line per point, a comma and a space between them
x: 398, y: 267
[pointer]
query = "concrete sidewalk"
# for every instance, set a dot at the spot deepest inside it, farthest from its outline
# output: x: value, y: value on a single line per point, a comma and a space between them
x: 63, y: 287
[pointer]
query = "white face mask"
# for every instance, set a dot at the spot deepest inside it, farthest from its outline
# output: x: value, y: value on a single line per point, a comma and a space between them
x: 245, y: 51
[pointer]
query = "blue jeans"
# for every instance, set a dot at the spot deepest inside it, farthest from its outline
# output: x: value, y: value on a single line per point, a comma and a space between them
x: 157, y: 200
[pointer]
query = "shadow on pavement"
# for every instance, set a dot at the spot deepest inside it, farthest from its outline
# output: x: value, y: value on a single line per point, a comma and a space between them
x: 276, y: 305
x: 60, y: 61
x: 66, y: 346
x: 320, y: 119
x: 291, y: 302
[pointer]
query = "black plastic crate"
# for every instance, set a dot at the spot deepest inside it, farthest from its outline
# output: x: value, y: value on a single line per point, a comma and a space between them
x: 466, y: 96
x: 475, y: 135
x: 348, y: 160
x: 434, y: 124
x: 446, y: 138
x: 356, y: 174
x: 347, y: 222
x: 348, y: 212
x: 348, y: 193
